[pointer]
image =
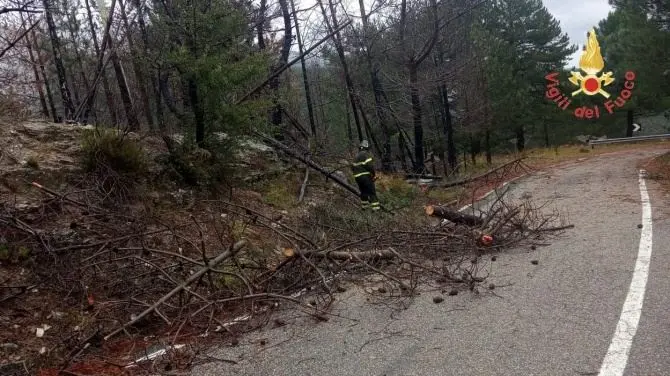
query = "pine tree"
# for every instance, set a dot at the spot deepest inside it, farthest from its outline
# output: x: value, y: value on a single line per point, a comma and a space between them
x: 522, y: 42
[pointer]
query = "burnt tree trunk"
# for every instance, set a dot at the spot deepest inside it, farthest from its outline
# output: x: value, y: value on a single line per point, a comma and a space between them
x: 66, y: 96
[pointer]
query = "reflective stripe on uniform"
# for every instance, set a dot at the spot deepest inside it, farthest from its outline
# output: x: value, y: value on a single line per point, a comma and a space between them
x: 364, y: 162
x: 361, y: 174
x: 375, y: 207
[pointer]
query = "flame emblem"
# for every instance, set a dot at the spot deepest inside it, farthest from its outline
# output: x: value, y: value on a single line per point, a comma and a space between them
x: 592, y: 63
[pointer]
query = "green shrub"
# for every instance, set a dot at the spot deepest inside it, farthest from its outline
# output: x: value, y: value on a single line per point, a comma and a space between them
x: 106, y: 150
x: 280, y: 195
x: 195, y: 166
x: 394, y: 191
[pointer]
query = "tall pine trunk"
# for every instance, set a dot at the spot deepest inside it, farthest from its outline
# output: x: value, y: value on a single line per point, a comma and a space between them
x: 66, y: 96
x: 419, y: 166
x: 345, y: 67
x: 137, y: 68
x: 305, y: 79
x: 99, y: 68
x: 38, y: 80
x: 47, y: 86
x: 276, y: 115
x: 378, y: 90
x: 153, y: 75
x: 122, y: 82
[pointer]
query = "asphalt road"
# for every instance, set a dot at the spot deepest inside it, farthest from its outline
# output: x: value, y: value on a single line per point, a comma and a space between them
x: 558, y: 317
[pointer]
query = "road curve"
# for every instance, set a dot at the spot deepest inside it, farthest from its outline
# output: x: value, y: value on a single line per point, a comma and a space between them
x: 554, y: 318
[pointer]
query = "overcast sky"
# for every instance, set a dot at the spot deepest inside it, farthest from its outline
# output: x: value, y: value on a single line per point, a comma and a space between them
x: 576, y: 18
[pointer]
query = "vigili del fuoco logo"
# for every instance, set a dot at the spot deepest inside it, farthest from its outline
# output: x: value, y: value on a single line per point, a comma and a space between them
x: 594, y: 83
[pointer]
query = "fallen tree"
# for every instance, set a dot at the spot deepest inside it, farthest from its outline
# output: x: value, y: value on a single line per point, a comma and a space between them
x: 308, y: 161
x: 453, y: 216
x: 164, y: 273
x: 504, y: 169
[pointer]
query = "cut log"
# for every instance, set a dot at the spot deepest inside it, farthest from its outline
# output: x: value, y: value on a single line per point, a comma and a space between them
x: 379, y: 254
x: 453, y: 216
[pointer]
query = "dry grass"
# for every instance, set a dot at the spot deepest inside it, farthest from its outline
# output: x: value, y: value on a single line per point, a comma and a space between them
x: 548, y: 156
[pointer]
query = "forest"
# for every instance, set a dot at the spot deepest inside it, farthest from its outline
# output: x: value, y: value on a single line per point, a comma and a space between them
x: 155, y: 159
x: 423, y: 81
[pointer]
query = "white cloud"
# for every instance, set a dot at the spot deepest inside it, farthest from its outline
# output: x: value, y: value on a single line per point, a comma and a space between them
x: 576, y: 18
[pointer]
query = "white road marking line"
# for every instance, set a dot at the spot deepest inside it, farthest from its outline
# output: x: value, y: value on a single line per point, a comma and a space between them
x: 615, y: 361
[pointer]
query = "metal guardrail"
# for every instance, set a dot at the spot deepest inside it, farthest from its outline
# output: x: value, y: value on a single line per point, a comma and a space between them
x: 629, y: 139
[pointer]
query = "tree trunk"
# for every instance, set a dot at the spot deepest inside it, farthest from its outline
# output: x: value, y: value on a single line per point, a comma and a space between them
x: 448, y: 128
x: 487, y: 145
x: 416, y: 119
x: 159, y: 101
x: 137, y: 68
x: 453, y: 216
x: 68, y: 107
x: 133, y: 124
x: 99, y: 67
x: 153, y: 75
x: 629, y: 123
x: 350, y: 133
x: 38, y: 80
x: 260, y: 24
x: 276, y: 116
x: 122, y: 81
x: 377, y: 89
x: 197, y: 111
x: 74, y: 33
x: 47, y: 86
x: 345, y: 68
x: 401, y: 148
x: 520, y: 138
x: 475, y: 148
x: 305, y: 79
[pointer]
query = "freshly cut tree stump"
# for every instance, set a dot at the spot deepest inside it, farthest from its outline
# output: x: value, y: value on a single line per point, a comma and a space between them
x: 453, y: 216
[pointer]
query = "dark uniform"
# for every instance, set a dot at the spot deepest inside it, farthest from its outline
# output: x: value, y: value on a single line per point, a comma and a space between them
x: 364, y: 173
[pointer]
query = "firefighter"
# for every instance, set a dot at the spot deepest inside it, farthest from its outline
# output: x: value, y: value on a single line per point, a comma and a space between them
x: 363, y: 169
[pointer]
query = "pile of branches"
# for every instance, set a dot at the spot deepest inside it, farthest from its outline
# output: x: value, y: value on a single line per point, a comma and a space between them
x: 137, y: 271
